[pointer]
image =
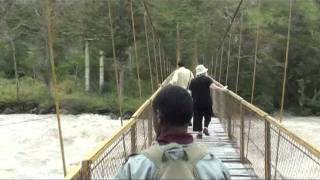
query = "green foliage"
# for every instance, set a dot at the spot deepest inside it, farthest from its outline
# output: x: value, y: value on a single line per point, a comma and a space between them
x: 202, y: 25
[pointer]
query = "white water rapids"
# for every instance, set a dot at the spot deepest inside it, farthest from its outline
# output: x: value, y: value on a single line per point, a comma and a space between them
x: 30, y: 145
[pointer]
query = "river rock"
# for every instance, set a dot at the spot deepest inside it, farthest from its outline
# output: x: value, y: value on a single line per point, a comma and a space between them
x: 103, y: 111
x: 64, y: 111
x: 113, y: 116
x: 45, y: 110
x: 127, y: 115
x: 8, y: 111
x: 34, y: 111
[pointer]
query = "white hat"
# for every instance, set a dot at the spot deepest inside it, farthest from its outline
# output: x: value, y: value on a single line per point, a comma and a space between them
x: 200, y: 69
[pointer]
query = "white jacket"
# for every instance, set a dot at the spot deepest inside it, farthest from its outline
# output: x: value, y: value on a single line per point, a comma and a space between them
x: 182, y: 77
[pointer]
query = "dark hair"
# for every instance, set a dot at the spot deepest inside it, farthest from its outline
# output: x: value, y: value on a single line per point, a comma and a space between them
x: 174, y: 105
x: 180, y: 64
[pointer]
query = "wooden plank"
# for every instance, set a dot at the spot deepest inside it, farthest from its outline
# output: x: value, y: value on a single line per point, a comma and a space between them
x: 220, y: 145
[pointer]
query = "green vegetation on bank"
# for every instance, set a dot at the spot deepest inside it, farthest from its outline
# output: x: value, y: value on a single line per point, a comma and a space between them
x: 73, y: 99
x: 202, y: 24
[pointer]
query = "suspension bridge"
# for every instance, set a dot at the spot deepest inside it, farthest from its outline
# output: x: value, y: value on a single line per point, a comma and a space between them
x: 251, y: 143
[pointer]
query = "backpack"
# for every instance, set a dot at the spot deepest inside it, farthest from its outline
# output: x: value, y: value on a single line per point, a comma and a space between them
x: 169, y: 167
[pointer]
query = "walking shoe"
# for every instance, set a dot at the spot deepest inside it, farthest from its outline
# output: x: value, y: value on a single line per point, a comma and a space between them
x: 199, y: 135
x: 206, y: 132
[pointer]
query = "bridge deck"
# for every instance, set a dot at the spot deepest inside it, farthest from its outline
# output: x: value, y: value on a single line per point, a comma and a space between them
x: 225, y: 149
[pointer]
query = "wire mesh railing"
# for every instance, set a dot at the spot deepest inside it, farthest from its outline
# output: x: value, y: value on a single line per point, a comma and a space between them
x: 265, y: 144
x: 273, y: 151
x: 136, y: 134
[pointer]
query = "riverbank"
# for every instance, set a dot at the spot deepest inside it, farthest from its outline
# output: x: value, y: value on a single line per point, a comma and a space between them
x: 35, y: 98
x: 31, y: 107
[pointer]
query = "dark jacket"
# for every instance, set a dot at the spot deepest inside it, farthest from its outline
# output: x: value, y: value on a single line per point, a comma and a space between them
x: 200, y: 91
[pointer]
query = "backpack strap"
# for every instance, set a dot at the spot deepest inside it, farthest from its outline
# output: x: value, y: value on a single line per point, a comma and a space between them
x: 154, y: 153
x: 193, y: 153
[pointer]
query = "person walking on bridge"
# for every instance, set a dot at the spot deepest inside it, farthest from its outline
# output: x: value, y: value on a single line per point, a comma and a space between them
x: 175, y: 155
x: 182, y: 76
x: 202, y: 102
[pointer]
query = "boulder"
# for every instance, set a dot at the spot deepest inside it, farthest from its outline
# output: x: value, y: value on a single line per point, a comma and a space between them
x: 113, y: 116
x: 127, y: 115
x: 8, y: 111
x: 103, y: 111
x: 34, y: 111
x: 45, y: 110
x: 64, y: 111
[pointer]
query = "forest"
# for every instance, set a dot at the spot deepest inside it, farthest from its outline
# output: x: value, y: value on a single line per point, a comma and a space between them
x: 149, y: 37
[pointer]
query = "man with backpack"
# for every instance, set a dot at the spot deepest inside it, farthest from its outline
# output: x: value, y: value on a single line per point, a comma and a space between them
x: 175, y: 156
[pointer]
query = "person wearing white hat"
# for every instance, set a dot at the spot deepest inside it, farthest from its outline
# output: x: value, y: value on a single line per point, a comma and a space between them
x: 202, y: 102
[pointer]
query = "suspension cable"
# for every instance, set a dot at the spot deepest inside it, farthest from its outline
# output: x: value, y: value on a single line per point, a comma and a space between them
x: 49, y: 11
x: 147, y: 44
x: 215, y: 65
x: 286, y: 63
x: 178, y: 46
x: 116, y: 74
x: 228, y: 58
x: 221, y: 44
x: 155, y: 56
x: 254, y: 76
x: 160, y: 59
x: 149, y: 17
x: 220, y: 66
x: 115, y: 61
x: 211, y: 66
x: 255, y: 60
x: 158, y: 40
x: 135, y: 49
x: 239, y: 53
x: 284, y: 84
x: 164, y: 65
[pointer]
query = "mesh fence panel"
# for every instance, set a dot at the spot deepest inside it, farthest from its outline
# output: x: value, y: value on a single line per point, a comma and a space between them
x: 254, y: 139
x: 290, y: 157
x: 108, y: 163
x: 135, y: 136
x: 233, y: 108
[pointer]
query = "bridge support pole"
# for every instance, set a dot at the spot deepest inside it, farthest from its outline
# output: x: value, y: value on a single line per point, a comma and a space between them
x: 242, y: 158
x: 267, y: 148
x: 101, y: 70
x: 150, y: 120
x: 133, y: 138
x: 85, y: 166
x: 229, y: 126
x: 87, y: 66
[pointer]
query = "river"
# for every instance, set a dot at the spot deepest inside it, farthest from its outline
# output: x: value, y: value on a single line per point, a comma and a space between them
x: 30, y: 146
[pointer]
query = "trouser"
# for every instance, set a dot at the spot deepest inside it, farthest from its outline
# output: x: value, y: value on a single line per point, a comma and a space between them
x: 198, y: 114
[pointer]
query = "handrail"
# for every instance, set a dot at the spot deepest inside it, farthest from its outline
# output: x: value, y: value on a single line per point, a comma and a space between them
x: 315, y: 151
x: 77, y: 172
x: 271, y: 128
x: 99, y: 150
x: 275, y: 122
x: 296, y: 159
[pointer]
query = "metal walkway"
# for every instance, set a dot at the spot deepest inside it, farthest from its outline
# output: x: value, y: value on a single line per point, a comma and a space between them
x: 220, y: 145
